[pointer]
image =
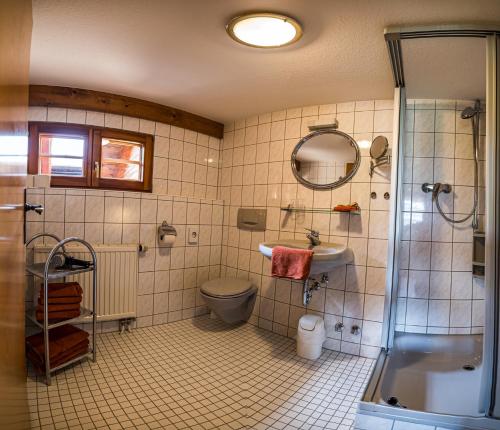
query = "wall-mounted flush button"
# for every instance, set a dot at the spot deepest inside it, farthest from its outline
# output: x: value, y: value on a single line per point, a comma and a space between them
x: 193, y: 235
x: 373, y: 195
x: 387, y: 195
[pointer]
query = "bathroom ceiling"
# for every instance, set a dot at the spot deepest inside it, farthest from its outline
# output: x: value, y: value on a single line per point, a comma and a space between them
x: 178, y: 53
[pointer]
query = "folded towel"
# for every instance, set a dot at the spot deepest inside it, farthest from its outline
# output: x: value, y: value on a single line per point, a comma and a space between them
x: 347, y: 208
x: 61, y: 300
x: 61, y: 339
x: 63, y: 289
x: 291, y: 263
x: 60, y: 307
x: 57, y: 316
x: 76, y: 351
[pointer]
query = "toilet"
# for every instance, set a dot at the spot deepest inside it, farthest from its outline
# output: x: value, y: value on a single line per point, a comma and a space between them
x: 231, y: 299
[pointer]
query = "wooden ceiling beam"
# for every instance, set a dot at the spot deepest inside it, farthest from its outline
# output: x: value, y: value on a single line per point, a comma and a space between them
x: 76, y: 98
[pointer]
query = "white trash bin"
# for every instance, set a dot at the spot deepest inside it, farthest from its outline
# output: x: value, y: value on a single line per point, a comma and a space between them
x: 310, y: 336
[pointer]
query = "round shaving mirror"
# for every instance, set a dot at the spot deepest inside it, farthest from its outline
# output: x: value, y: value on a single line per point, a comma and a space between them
x: 379, y: 147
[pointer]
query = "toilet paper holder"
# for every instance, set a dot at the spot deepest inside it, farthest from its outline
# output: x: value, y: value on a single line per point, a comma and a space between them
x: 165, y: 229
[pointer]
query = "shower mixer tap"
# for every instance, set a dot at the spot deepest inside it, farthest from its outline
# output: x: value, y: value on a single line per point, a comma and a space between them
x: 436, y: 188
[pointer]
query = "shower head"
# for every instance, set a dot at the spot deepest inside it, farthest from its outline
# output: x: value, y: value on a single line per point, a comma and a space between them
x: 469, y: 112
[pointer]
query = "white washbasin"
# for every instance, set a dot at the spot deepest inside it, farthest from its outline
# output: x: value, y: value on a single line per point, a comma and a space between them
x: 326, y: 256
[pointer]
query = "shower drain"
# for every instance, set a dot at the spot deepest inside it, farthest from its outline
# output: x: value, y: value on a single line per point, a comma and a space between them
x: 393, y: 401
x: 469, y: 367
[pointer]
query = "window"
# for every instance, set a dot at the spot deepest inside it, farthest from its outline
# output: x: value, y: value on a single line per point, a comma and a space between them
x: 78, y: 156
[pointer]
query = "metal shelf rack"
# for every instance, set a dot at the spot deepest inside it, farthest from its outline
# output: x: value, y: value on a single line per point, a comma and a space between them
x: 46, y: 272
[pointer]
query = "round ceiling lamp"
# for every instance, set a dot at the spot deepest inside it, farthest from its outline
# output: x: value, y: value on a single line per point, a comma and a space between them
x: 264, y: 30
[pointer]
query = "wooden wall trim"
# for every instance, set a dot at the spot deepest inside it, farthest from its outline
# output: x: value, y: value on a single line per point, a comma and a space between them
x: 76, y: 98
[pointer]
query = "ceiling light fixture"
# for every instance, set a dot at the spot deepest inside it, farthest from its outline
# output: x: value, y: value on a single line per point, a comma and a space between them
x: 264, y: 30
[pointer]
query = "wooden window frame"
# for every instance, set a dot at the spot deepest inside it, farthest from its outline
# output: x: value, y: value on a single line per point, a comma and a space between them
x: 35, y: 129
x: 92, y: 154
x: 120, y: 184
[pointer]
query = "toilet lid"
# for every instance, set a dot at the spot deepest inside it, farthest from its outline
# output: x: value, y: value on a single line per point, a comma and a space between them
x: 225, y: 287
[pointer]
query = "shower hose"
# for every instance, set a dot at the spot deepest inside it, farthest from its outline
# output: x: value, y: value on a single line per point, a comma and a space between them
x: 475, y: 141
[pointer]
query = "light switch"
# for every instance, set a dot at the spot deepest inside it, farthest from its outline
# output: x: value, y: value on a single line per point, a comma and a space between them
x: 193, y: 234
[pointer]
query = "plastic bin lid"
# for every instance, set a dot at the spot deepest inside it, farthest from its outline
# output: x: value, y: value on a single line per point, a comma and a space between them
x: 309, y: 322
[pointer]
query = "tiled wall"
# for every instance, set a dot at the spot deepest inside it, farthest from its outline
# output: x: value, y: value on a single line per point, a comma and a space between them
x: 186, y: 164
x: 437, y: 292
x: 169, y: 278
x: 256, y: 172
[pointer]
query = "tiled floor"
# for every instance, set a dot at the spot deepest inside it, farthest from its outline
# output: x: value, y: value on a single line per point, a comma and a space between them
x: 201, y: 374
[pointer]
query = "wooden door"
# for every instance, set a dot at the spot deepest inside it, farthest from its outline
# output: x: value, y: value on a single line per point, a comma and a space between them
x: 15, y: 41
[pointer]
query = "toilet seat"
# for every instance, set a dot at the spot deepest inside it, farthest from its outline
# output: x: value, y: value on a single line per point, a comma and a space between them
x: 226, y: 287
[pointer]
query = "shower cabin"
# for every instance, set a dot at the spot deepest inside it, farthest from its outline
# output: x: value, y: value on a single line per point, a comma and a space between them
x: 439, y: 366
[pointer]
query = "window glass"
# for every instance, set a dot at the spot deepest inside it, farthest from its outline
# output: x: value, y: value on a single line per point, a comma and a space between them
x: 122, y: 159
x: 61, y: 155
x: 14, y: 151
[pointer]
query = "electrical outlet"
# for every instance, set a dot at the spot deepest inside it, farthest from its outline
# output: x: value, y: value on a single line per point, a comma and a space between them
x: 193, y: 234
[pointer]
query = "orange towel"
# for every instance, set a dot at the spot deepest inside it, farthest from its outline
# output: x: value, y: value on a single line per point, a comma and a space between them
x: 60, y: 307
x: 64, y: 289
x: 291, y: 263
x: 56, y: 316
x: 65, y: 343
x: 60, y: 300
x: 73, y: 352
x: 61, y: 339
x: 347, y: 208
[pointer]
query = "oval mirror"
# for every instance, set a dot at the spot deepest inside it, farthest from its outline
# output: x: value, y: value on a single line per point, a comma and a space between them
x: 379, y: 147
x: 325, y: 159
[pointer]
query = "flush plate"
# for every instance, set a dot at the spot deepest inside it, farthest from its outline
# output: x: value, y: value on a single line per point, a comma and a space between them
x: 252, y: 219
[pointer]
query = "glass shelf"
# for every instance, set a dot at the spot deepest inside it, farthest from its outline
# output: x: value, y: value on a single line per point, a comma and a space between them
x: 318, y: 210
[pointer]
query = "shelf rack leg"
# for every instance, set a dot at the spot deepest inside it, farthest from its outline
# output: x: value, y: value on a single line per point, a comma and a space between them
x: 94, y: 310
x: 46, y: 329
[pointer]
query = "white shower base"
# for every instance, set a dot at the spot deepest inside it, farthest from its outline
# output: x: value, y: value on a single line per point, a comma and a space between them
x: 426, y: 374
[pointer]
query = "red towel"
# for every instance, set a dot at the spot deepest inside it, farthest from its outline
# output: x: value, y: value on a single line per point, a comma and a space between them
x: 61, y: 300
x: 73, y: 352
x: 60, y: 307
x: 291, y: 263
x: 57, y: 316
x: 64, y: 289
x: 63, y: 341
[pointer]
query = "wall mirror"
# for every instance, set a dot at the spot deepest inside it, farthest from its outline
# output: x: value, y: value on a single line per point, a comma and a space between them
x: 325, y: 159
x: 378, y: 152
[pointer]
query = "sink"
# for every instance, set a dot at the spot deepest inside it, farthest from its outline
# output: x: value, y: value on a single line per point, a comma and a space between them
x: 326, y: 256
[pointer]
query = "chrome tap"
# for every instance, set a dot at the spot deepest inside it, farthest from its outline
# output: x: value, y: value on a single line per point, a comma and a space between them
x: 313, y: 237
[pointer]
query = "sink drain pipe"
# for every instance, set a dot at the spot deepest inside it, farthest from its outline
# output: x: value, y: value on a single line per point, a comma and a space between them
x: 312, y: 284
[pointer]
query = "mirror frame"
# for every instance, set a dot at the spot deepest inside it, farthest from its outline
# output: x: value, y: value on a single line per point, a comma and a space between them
x: 386, y: 147
x: 332, y: 185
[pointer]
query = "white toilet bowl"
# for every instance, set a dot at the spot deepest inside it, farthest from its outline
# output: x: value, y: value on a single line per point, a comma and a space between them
x: 231, y: 299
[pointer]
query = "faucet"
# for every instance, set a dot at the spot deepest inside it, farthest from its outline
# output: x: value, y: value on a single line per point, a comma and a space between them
x: 436, y: 188
x: 313, y: 237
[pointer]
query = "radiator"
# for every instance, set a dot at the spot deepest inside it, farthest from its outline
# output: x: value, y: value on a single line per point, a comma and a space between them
x: 117, y: 277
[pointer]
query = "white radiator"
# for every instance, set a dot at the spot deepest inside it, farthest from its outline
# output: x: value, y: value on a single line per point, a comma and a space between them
x: 117, y: 277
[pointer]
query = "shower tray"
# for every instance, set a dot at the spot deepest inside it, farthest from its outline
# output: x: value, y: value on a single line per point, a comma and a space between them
x: 429, y: 379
